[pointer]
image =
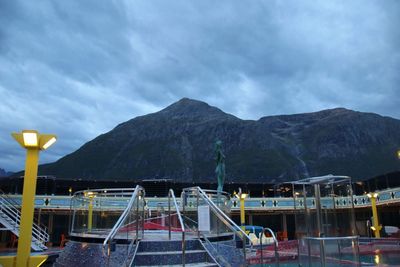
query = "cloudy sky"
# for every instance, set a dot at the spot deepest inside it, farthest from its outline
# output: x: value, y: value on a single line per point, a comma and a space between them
x: 78, y: 68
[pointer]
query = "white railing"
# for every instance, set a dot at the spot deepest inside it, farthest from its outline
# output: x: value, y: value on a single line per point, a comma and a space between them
x: 10, y: 211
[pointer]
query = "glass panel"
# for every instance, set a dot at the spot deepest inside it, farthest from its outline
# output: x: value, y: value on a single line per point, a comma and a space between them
x: 341, y: 251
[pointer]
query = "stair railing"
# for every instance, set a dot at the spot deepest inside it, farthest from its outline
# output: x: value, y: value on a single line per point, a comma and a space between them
x: 225, y: 219
x: 12, y: 202
x: 172, y: 195
x: 124, y: 223
x: 10, y: 208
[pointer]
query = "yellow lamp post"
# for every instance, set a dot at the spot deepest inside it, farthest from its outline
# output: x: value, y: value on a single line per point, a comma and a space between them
x: 33, y: 142
x: 242, y: 197
x: 375, y: 227
x: 90, y: 195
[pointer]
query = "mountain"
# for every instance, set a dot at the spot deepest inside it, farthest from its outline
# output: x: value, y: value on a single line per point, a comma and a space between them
x: 4, y: 173
x: 178, y: 143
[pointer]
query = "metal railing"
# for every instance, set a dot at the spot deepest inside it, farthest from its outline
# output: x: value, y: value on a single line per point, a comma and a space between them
x: 332, y: 249
x: 172, y: 195
x: 239, y: 234
x: 12, y: 210
x: 275, y: 245
x: 136, y: 194
x: 115, y: 199
x: 18, y: 206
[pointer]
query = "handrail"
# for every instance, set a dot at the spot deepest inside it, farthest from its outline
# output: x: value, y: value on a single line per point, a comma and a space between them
x: 17, y: 206
x: 275, y: 245
x: 38, y: 233
x: 171, y: 194
x: 237, y: 230
x: 117, y: 225
x: 232, y: 225
x: 106, y: 191
x: 331, y: 238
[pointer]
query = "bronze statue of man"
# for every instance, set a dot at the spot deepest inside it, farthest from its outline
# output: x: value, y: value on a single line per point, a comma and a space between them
x: 220, y: 169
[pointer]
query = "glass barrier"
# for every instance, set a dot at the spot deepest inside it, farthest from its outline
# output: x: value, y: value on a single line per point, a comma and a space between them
x: 206, y: 213
x: 95, y: 212
x: 329, y: 251
x: 120, y: 243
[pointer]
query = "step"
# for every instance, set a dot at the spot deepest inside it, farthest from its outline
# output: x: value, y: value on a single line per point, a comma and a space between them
x: 168, y: 245
x: 170, y: 257
x: 197, y: 264
x: 169, y: 252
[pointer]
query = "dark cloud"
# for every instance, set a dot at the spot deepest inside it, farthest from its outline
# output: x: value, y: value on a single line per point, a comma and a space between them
x: 78, y: 68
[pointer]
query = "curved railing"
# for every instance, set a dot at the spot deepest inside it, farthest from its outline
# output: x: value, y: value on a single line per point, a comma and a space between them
x: 88, y: 208
x: 275, y: 245
x: 221, y: 225
x: 123, y: 217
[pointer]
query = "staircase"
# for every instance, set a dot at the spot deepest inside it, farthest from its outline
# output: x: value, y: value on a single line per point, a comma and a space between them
x: 169, y: 253
x: 10, y: 217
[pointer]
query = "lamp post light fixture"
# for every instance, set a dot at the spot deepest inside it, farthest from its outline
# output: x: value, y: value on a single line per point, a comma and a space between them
x: 33, y: 142
x: 375, y: 225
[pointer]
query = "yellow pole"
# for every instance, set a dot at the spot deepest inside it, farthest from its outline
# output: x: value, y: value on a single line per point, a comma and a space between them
x: 377, y: 227
x: 242, y: 214
x: 28, y: 202
x: 90, y: 215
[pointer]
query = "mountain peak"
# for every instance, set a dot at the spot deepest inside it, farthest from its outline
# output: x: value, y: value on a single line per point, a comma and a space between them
x: 191, y: 108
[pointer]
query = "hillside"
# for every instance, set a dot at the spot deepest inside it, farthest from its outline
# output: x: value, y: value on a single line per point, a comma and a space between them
x: 178, y: 141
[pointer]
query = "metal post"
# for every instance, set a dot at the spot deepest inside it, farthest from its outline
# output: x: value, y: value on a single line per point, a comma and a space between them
x: 137, y: 217
x: 354, y: 231
x: 319, y: 222
x: 90, y: 214
x: 183, y: 248
x: 276, y: 254
x: 375, y: 218
x: 198, y: 202
x: 28, y: 197
x: 169, y: 215
x: 143, y: 213
x: 183, y: 203
x: 318, y: 209
x: 261, y: 246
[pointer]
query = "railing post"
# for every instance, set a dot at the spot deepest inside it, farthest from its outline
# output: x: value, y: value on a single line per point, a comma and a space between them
x: 169, y: 214
x: 197, y: 208
x: 261, y: 246
x: 137, y: 217
x: 183, y: 248
x: 143, y: 212
x: 276, y: 254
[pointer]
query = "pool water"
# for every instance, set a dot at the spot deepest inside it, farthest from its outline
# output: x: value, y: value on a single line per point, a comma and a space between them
x: 386, y: 260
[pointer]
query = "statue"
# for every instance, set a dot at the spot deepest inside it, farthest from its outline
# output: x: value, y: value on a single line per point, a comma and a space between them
x: 220, y: 169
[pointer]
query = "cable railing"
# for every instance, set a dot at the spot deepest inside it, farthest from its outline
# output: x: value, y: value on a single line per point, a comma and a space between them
x: 172, y: 195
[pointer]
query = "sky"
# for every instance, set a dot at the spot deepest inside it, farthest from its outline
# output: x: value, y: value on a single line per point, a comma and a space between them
x: 79, y: 68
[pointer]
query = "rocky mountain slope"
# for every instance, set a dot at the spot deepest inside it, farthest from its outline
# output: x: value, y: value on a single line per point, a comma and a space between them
x: 178, y: 142
x: 4, y: 173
